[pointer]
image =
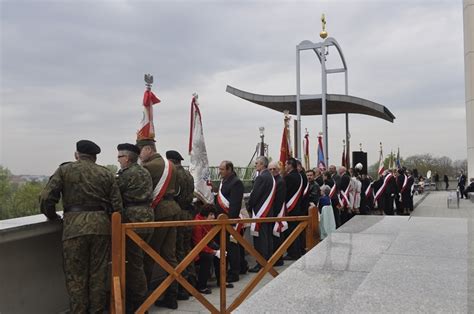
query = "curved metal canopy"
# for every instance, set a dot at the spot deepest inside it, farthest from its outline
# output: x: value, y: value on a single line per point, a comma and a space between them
x: 311, y: 104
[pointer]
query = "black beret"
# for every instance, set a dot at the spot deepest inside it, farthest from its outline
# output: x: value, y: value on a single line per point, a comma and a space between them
x: 145, y: 142
x: 172, y: 154
x: 87, y: 147
x: 129, y: 147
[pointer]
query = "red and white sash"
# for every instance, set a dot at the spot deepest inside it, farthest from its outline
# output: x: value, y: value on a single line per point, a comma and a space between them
x: 280, y: 226
x: 404, y: 187
x: 263, y: 211
x: 294, y: 199
x: 223, y: 202
x: 225, y: 205
x: 306, y: 189
x: 369, y: 191
x: 332, y: 193
x: 383, y: 187
x: 345, y: 198
x: 162, y: 185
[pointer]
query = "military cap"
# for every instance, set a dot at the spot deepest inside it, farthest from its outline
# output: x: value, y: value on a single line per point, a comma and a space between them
x: 144, y: 142
x: 129, y: 147
x: 87, y: 147
x: 172, y: 154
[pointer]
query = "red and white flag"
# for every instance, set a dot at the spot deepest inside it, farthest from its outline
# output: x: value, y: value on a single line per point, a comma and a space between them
x: 381, y: 166
x: 199, y: 163
x: 147, y: 129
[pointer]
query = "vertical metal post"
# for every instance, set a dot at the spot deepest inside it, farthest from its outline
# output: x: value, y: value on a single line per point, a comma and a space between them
x: 298, y: 106
x: 348, y: 147
x: 323, y: 102
x: 347, y: 141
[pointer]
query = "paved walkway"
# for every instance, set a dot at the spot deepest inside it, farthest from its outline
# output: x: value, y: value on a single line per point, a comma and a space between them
x: 436, y: 205
x: 383, y: 264
x: 430, y: 204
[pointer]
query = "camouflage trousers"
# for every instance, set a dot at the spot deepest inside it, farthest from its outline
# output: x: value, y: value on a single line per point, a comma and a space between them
x: 136, y: 284
x: 183, y: 247
x: 85, y: 260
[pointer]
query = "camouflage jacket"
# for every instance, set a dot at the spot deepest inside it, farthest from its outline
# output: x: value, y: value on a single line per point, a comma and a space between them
x: 135, y: 184
x: 85, y: 183
x: 185, y: 187
x: 136, y: 187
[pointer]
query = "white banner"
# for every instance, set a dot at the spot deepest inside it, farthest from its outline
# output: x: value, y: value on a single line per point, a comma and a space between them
x: 199, y: 164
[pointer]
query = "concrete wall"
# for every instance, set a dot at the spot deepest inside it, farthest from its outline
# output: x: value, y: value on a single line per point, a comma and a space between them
x: 31, y: 272
x: 468, y: 12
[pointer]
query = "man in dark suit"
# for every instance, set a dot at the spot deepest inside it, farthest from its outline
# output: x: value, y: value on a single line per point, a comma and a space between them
x: 229, y: 201
x: 461, y: 183
x: 342, y: 188
x: 278, y: 208
x: 260, y: 203
x: 294, y: 191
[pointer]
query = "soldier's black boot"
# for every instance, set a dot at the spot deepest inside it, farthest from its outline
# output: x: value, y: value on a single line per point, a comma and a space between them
x: 183, y: 295
x: 171, y: 304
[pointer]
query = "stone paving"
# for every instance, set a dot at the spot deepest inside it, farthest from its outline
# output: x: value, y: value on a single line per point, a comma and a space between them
x: 354, y: 266
x: 383, y: 264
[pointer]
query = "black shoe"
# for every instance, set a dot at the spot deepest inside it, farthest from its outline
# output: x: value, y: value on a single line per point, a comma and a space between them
x: 205, y: 291
x: 244, y: 270
x: 183, y: 296
x: 232, y: 278
x: 279, y: 263
x: 171, y: 304
x: 255, y: 269
x: 290, y: 258
x: 227, y: 285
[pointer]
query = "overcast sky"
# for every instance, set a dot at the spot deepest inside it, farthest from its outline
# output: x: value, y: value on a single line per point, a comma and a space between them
x: 73, y: 70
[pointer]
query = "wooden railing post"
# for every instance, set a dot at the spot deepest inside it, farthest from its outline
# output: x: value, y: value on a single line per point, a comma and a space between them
x: 223, y: 263
x: 312, y: 230
x: 116, y: 293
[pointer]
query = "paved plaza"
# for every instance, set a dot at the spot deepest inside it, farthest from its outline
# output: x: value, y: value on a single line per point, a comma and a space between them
x: 420, y: 263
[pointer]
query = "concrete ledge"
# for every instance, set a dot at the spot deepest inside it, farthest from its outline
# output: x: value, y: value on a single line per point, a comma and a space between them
x: 31, y: 271
x: 26, y: 227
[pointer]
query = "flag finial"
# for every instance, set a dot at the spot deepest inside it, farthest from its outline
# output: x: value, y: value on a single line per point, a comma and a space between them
x: 148, y: 81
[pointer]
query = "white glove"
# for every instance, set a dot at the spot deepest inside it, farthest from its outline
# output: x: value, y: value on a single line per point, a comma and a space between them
x: 218, y: 254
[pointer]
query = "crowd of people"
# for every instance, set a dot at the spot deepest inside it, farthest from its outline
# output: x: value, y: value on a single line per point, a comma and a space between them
x: 160, y: 189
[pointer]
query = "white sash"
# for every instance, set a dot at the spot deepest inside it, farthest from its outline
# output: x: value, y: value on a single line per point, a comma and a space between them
x: 160, y: 188
x: 294, y: 199
x: 263, y: 211
x: 383, y: 187
x: 280, y: 226
x: 225, y: 205
x: 223, y: 202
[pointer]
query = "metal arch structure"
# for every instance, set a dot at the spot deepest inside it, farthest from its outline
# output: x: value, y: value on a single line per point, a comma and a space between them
x: 321, y: 52
x: 311, y: 105
x: 317, y: 104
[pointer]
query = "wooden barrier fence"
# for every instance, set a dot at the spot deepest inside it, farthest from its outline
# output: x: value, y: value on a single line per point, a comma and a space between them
x: 221, y: 225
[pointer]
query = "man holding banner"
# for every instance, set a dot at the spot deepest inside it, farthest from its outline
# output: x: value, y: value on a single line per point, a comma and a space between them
x: 229, y: 202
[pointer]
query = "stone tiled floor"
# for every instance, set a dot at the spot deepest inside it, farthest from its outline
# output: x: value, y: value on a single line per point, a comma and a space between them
x: 432, y: 204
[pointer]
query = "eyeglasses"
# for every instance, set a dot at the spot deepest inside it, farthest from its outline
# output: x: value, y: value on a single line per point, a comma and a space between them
x: 271, y: 169
x: 120, y: 156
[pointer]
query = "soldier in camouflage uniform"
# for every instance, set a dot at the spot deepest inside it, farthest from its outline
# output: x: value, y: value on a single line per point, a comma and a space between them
x: 135, y: 185
x: 163, y: 239
x: 89, y: 194
x: 184, y: 197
